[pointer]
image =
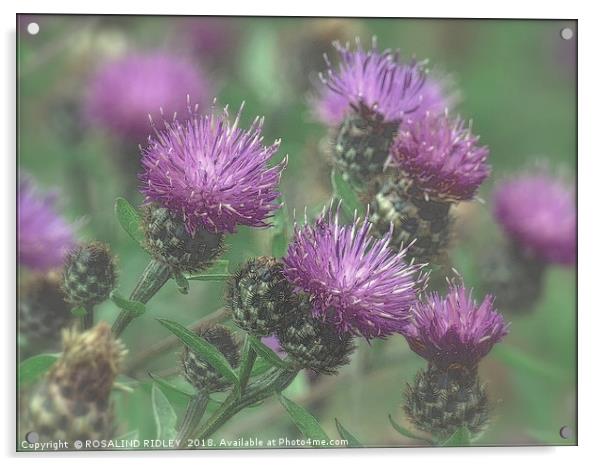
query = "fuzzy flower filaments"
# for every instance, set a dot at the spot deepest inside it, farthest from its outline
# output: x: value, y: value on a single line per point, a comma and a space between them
x: 212, y: 173
x: 453, y: 333
x: 439, y: 162
x: 123, y: 92
x: 366, y: 98
x: 538, y: 215
x: 353, y: 280
x: 44, y: 237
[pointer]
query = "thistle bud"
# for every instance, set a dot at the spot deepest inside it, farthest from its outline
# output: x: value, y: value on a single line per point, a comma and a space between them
x: 419, y: 222
x: 73, y: 401
x: 259, y: 296
x: 313, y: 343
x: 168, y: 240
x: 362, y: 145
x: 43, y: 310
x: 199, y: 372
x: 89, y: 275
x: 442, y: 401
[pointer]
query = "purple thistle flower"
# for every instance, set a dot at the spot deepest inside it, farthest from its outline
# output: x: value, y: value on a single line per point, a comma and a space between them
x: 441, y: 155
x: 378, y: 81
x: 124, y: 92
x: 273, y: 343
x: 537, y: 211
x: 44, y: 237
x: 353, y: 280
x: 212, y: 173
x: 454, y: 330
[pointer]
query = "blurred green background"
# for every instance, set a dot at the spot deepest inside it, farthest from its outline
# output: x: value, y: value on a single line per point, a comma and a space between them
x: 517, y: 82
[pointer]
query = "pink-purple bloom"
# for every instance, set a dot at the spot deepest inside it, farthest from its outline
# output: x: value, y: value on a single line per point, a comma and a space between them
x: 353, y: 280
x: 44, y: 237
x: 380, y: 82
x: 455, y: 329
x: 441, y: 155
x: 124, y: 92
x: 537, y: 211
x: 212, y: 173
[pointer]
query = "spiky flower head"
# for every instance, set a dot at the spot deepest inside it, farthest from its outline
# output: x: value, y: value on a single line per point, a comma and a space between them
x: 43, y: 309
x: 199, y: 372
x: 259, y: 296
x: 537, y: 211
x: 313, y: 343
x: 125, y: 91
x: 353, y: 280
x: 455, y: 330
x: 90, y: 274
x: 44, y: 238
x: 72, y: 403
x: 379, y: 82
x: 212, y: 173
x: 441, y: 155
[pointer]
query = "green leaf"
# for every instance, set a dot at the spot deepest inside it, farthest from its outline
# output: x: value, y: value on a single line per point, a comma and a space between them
x: 460, y: 438
x: 174, y: 393
x: 34, y: 367
x: 203, y: 348
x: 305, y: 422
x: 165, y: 416
x: 217, y: 272
x: 267, y: 353
x: 261, y: 366
x: 346, y: 435
x: 182, y: 283
x: 280, y: 232
x: 407, y: 433
x: 134, y: 307
x: 343, y: 191
x: 79, y: 311
x: 129, y: 219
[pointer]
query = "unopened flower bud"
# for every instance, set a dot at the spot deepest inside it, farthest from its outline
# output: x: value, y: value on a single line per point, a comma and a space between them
x: 199, y: 372
x: 90, y: 274
x: 43, y: 310
x: 168, y: 240
x: 260, y: 297
x: 73, y: 401
x: 442, y: 401
x: 313, y: 343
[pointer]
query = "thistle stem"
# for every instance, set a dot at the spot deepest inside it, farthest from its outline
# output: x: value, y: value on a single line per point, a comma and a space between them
x: 153, y: 278
x: 246, y: 365
x: 87, y: 320
x: 194, y: 413
x: 274, y: 381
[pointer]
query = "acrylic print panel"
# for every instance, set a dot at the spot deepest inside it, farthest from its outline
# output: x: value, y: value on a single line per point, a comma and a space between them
x: 385, y: 258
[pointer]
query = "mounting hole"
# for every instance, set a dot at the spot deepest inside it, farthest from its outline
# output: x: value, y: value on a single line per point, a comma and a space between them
x: 32, y: 437
x: 566, y: 33
x: 33, y: 28
x: 566, y: 432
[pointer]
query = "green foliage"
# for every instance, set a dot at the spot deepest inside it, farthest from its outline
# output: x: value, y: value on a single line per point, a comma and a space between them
x: 165, y: 416
x: 305, y: 422
x: 203, y: 348
x: 281, y: 231
x: 136, y: 308
x: 407, y: 433
x: 267, y: 353
x: 35, y: 367
x: 346, y: 435
x: 217, y: 272
x: 129, y: 219
x: 460, y: 438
